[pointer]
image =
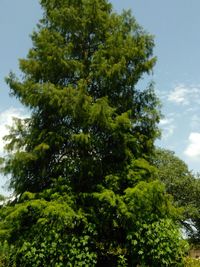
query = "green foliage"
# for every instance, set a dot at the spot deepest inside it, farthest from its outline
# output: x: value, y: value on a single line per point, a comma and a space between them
x: 80, y: 165
x: 158, y: 244
x: 154, y: 237
x: 184, y: 186
x: 174, y: 173
x: 149, y: 202
x: 47, y: 233
x: 88, y: 119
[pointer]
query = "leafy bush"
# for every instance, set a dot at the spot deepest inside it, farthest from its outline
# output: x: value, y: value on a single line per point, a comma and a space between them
x: 45, y: 233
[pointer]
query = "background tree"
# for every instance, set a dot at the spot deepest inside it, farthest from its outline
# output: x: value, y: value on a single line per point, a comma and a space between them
x: 183, y: 185
x: 80, y: 164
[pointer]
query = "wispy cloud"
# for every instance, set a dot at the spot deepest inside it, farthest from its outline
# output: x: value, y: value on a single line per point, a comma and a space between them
x: 185, y: 95
x: 167, y: 127
x: 193, y: 148
x: 6, y: 119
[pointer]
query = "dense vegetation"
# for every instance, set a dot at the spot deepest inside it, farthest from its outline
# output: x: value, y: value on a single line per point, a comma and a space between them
x: 88, y: 181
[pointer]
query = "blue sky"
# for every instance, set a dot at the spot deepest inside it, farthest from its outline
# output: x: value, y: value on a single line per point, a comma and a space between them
x: 175, y: 25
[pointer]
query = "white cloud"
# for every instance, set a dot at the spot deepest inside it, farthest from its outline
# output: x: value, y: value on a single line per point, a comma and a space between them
x: 178, y: 95
x: 185, y: 95
x: 193, y: 148
x: 6, y: 119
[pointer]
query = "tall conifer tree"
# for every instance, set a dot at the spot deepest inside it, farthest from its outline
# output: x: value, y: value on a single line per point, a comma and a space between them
x: 80, y: 163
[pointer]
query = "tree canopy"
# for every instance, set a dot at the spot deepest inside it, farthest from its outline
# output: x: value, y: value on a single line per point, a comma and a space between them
x: 87, y: 193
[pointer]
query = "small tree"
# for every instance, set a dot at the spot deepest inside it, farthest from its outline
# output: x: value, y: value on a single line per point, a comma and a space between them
x: 83, y: 155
